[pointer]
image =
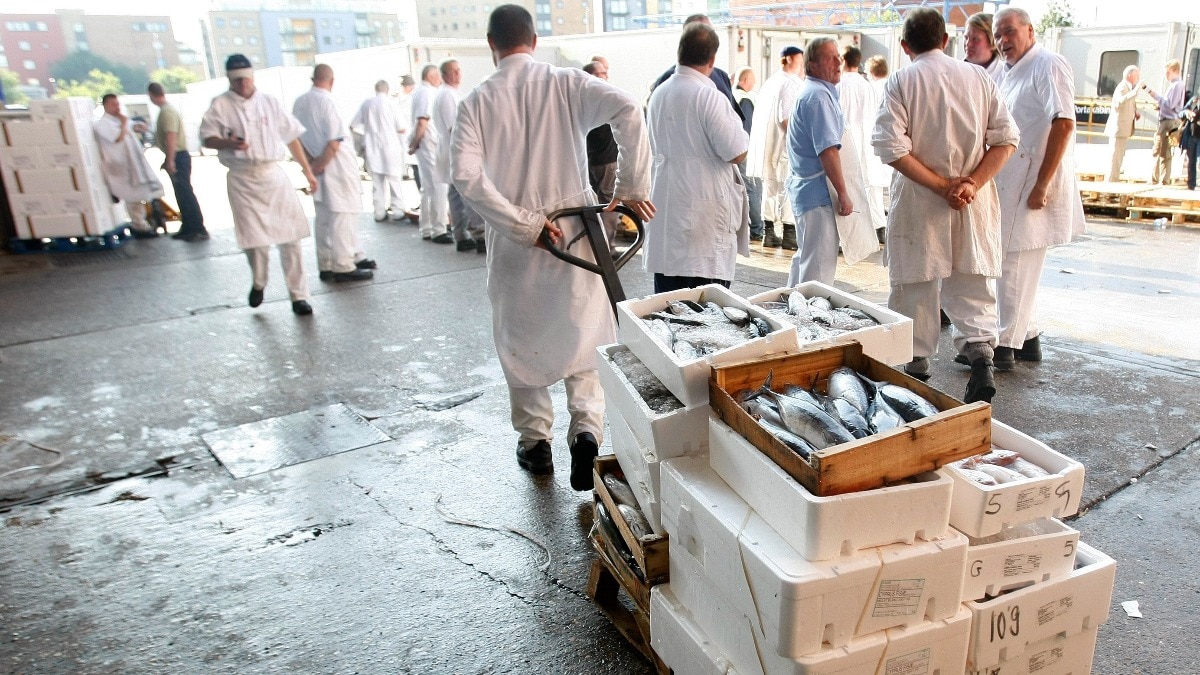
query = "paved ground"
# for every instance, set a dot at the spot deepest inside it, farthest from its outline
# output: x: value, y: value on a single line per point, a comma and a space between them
x: 140, y: 552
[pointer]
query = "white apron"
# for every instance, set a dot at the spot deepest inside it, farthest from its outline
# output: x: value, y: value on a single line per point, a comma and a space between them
x: 266, y: 208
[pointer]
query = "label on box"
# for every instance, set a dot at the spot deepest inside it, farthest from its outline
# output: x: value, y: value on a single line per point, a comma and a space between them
x: 898, y: 597
x: 1033, y: 497
x: 916, y: 663
x: 1045, y: 659
x: 1022, y: 563
x: 1052, y: 610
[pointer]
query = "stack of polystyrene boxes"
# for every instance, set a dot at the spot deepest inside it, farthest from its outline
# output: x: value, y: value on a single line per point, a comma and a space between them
x: 51, y: 169
x: 1036, y: 594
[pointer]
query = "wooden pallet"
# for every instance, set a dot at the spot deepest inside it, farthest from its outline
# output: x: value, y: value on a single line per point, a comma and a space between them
x: 1177, y: 203
x: 1107, y: 195
x: 607, y: 579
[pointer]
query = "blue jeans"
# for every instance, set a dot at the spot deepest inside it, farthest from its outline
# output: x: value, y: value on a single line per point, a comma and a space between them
x: 190, y: 217
x: 1190, y: 145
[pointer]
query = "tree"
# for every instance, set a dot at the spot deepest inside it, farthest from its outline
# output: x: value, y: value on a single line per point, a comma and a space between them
x: 78, y: 66
x: 1058, y: 15
x: 174, y: 80
x: 97, y: 84
x: 10, y: 81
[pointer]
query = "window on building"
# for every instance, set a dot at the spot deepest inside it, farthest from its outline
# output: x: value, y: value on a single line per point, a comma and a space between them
x: 337, y: 23
x: 324, y: 23
x: 543, y: 7
x: 433, y: 28
x: 664, y: 6
x: 3, y: 61
x: 559, y: 4
x: 219, y: 23
x: 235, y: 23
x: 255, y: 58
x: 82, y: 46
x: 618, y: 7
x: 252, y: 40
x: 327, y: 40
x: 1112, y: 68
x: 339, y: 40
x: 454, y: 26
x: 238, y: 40
x: 454, y: 9
x: 41, y: 26
x: 249, y: 23
x: 222, y: 40
x: 619, y: 23
x: 560, y: 20
x: 29, y: 64
x: 544, y: 26
x: 24, y: 46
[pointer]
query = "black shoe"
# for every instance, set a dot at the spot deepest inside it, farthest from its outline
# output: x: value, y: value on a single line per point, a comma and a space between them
x: 443, y: 238
x: 945, y: 319
x: 1004, y: 358
x: 789, y: 238
x: 326, y: 275
x: 881, y: 235
x: 196, y: 236
x: 771, y: 240
x: 356, y: 275
x: 366, y: 264
x: 583, y: 455
x: 301, y: 307
x: 1031, y: 349
x: 982, y: 385
x: 380, y: 220
x: 536, y: 460
x: 143, y: 234
x: 480, y: 246
x: 465, y: 245
x: 180, y: 235
x: 427, y: 237
x: 256, y: 296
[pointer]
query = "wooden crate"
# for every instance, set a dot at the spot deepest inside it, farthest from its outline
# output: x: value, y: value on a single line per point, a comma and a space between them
x: 960, y: 430
x: 605, y: 582
x: 650, y: 551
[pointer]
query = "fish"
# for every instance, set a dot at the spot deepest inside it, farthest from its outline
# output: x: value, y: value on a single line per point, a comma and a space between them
x: 635, y: 520
x: 820, y: 303
x: 811, y: 423
x: 1027, y: 468
x: 844, y: 411
x: 613, y: 535
x: 792, y: 441
x: 797, y: 304
x: 619, y: 489
x: 908, y: 404
x: 796, y: 391
x: 881, y: 417
x: 737, y: 315
x: 761, y: 327
x: 763, y: 410
x: 686, y: 350
x: 999, y: 473
x: 662, y: 331
x: 845, y: 384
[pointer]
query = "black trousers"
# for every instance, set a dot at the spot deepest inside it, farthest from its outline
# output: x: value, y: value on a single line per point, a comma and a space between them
x: 664, y: 283
x: 190, y: 217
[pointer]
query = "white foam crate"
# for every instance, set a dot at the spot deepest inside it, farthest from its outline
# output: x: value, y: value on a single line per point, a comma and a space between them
x: 640, y: 469
x: 1059, y: 655
x: 929, y: 647
x: 673, y: 434
x: 1004, y: 627
x: 820, y: 528
x: 688, y: 380
x: 740, y: 640
x: 57, y: 225
x: 1020, y: 555
x: 917, y: 582
x: 46, y: 181
x: 68, y: 109
x: 982, y: 510
x: 18, y: 158
x: 890, y: 342
x: 678, y: 641
x: 22, y: 134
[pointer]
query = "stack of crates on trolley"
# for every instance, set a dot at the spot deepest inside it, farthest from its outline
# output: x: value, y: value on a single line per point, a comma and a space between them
x: 54, y: 182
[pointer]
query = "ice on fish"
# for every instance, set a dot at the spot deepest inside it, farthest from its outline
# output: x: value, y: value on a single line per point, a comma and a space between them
x: 816, y: 318
x: 692, y: 330
x: 656, y: 395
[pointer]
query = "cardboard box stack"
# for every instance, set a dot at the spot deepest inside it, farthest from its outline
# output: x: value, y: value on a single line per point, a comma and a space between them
x: 51, y: 169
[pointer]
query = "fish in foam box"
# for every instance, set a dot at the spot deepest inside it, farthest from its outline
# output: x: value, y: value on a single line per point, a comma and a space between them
x: 820, y: 528
x: 1018, y: 556
x: 671, y: 433
x: 890, y: 342
x: 1004, y: 627
x: 687, y: 378
x: 640, y: 466
x: 677, y: 639
x: 982, y: 510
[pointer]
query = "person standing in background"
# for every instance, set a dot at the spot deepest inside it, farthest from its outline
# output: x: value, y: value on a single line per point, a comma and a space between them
x: 382, y: 130
x: 1122, y: 116
x: 980, y: 45
x: 860, y: 103
x: 602, y: 161
x: 434, y: 216
x: 126, y: 170
x: 177, y: 162
x: 466, y: 225
x: 744, y: 95
x: 767, y: 158
x: 1169, y: 106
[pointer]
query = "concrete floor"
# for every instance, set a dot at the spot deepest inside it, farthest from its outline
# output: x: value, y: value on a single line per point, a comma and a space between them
x: 140, y: 553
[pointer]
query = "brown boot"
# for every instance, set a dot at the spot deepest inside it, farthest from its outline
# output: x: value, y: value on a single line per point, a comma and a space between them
x: 789, y: 237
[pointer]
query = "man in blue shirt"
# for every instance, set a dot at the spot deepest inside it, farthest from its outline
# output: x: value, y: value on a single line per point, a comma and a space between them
x: 814, y: 143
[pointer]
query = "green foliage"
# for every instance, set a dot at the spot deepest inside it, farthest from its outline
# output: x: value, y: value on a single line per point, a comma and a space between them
x: 78, y: 66
x: 97, y: 84
x: 174, y: 80
x: 10, y: 81
x: 1058, y: 15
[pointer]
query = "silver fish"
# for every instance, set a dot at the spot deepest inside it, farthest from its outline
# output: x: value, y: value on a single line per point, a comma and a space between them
x: 686, y: 350
x: 882, y: 417
x: 797, y: 304
x: 807, y: 395
x: 763, y: 409
x: 737, y: 315
x: 795, y: 443
x: 635, y: 520
x: 760, y: 328
x: 845, y: 384
x: 820, y: 303
x: 811, y: 423
x: 843, y: 411
x: 620, y: 490
x: 908, y: 404
x: 662, y: 330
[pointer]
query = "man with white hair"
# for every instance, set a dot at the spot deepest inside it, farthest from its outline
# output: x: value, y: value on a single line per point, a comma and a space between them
x: 338, y: 199
x: 1121, y: 117
x: 379, y: 119
x: 424, y: 143
x: 1039, y: 200
x: 249, y: 130
x: 126, y: 170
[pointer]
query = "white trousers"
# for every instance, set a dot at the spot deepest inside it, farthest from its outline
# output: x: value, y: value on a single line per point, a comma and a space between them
x: 968, y: 299
x: 776, y: 205
x: 1118, y: 158
x: 336, y: 237
x: 137, y: 215
x: 386, y: 193
x: 817, y: 247
x: 533, y: 411
x: 293, y: 268
x: 435, y: 209
x: 1016, y: 296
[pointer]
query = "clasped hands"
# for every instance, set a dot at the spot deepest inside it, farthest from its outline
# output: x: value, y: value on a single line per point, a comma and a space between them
x: 960, y: 192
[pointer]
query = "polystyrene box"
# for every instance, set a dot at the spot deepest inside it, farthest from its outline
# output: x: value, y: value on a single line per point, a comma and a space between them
x: 665, y: 435
x: 32, y: 205
x: 19, y: 158
x: 890, y: 342
x: 928, y: 648
x: 62, y: 109
x: 820, y: 528
x: 57, y: 225
x: 80, y: 132
x: 640, y: 468
x: 677, y: 639
x: 1004, y: 627
x: 75, y: 156
x: 33, y: 134
x: 1025, y: 554
x: 688, y: 380
x: 1059, y: 655
x: 981, y: 510
x: 46, y: 181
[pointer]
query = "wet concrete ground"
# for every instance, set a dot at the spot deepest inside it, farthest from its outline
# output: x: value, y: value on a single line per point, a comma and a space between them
x: 141, y: 553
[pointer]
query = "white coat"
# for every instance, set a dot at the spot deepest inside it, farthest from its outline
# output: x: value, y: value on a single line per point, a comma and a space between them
x: 945, y: 113
x: 767, y: 156
x: 422, y: 106
x: 702, y: 221
x: 382, y: 127
x: 338, y: 186
x: 266, y: 208
x: 857, y: 231
x: 518, y: 152
x: 1039, y: 89
x: 442, y: 115
x: 129, y: 175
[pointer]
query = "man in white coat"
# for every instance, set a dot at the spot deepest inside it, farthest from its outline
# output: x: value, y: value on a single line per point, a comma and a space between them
x: 1039, y: 199
x: 129, y: 175
x: 697, y: 141
x: 338, y: 200
x: 860, y: 103
x: 424, y: 144
x: 518, y: 153
x: 465, y: 225
x: 249, y: 131
x: 943, y: 126
x: 1122, y: 116
x: 382, y: 128
x: 767, y: 157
